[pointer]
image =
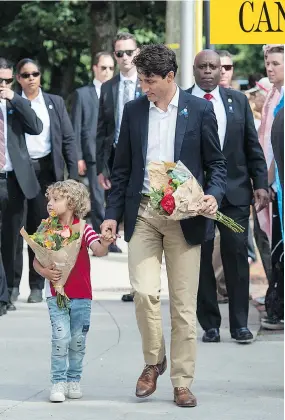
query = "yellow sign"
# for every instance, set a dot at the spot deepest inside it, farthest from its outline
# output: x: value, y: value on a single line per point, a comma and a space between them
x: 247, y: 22
x: 173, y: 46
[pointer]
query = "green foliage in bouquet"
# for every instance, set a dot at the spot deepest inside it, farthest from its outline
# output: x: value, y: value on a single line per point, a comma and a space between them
x: 52, y: 235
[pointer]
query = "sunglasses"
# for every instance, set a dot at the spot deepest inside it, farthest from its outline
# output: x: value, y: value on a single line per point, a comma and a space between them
x: 27, y: 75
x: 120, y: 53
x: 7, y: 81
x: 227, y: 67
x: 103, y: 68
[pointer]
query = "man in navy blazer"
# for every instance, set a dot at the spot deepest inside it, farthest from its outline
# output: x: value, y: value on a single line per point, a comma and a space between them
x: 166, y: 124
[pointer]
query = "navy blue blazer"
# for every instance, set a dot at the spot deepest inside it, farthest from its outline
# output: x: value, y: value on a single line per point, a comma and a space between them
x: 196, y: 145
x: 246, y: 166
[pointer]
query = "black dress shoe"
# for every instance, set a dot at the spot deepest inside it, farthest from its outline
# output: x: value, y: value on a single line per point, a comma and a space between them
x: 129, y: 297
x: 14, y: 294
x: 11, y: 306
x: 3, y: 308
x: 36, y: 296
x: 242, y: 335
x: 211, y: 336
x: 115, y: 248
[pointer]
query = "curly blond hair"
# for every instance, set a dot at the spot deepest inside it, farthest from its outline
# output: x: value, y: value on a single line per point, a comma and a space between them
x: 76, y: 193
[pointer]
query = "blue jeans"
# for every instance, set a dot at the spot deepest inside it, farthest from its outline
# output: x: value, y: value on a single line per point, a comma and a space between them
x: 69, y: 329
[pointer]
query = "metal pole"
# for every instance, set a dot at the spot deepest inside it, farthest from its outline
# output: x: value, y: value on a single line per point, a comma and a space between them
x: 208, y: 46
x: 187, y: 43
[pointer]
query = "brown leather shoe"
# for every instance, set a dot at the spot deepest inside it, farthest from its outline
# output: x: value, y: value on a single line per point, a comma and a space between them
x: 183, y: 397
x: 146, y: 384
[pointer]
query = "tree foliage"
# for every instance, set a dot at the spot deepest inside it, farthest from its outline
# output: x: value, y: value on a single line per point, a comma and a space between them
x: 62, y: 35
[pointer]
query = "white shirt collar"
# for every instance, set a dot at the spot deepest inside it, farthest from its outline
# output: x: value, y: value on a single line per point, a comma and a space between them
x: 97, y: 83
x: 174, y: 101
x: 132, y: 79
x: 201, y: 92
x: 39, y: 98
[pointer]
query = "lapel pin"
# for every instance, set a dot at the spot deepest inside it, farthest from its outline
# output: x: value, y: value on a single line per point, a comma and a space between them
x: 50, y: 107
x: 184, y: 112
x: 10, y: 112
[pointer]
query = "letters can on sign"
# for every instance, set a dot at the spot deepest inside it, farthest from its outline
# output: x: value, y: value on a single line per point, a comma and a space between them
x: 247, y: 22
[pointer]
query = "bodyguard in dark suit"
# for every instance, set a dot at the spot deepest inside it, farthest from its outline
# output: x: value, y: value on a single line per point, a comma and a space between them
x: 85, y: 109
x: 246, y: 178
x: 48, y: 154
x: 166, y: 124
x: 16, y: 119
x: 114, y: 95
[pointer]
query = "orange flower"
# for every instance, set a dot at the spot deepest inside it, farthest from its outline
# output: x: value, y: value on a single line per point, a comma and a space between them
x: 168, y: 190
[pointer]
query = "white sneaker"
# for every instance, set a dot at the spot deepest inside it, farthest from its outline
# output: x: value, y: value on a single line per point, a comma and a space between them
x: 58, y: 392
x: 74, y: 390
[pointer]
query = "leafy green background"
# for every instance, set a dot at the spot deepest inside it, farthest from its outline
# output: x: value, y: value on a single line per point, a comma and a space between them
x: 62, y: 35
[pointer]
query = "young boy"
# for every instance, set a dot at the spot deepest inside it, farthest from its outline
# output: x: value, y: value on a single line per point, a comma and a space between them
x: 70, y: 201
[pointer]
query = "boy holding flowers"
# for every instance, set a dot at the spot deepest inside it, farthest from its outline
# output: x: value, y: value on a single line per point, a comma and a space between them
x: 69, y: 200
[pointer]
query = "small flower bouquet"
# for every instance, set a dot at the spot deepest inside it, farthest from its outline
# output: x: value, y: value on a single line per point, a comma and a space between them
x: 53, y: 243
x: 176, y: 195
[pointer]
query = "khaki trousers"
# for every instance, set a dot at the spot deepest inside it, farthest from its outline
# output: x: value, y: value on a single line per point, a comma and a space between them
x: 151, y: 238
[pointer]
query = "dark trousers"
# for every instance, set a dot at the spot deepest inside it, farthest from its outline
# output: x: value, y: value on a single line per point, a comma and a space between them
x: 97, y: 197
x: 13, y: 220
x: 274, y: 299
x: 3, y: 203
x: 234, y: 255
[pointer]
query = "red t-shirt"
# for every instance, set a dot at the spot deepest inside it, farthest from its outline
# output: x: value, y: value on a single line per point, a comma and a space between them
x: 78, y: 285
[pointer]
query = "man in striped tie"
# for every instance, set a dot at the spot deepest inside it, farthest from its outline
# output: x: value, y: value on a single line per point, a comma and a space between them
x: 16, y: 118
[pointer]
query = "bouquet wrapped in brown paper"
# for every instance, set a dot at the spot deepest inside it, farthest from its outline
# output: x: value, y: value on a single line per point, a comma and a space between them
x: 57, y: 245
x: 176, y: 194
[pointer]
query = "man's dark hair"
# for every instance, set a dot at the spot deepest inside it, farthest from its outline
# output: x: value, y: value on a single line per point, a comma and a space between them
x: 25, y: 61
x: 277, y: 49
x: 224, y: 53
x: 5, y: 64
x: 123, y: 36
x: 96, y: 57
x: 156, y: 59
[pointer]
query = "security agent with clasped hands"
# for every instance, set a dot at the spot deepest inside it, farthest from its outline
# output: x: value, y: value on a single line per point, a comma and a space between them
x: 16, y: 118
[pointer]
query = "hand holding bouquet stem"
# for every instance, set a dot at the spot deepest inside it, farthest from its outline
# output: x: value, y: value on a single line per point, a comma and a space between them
x: 176, y: 195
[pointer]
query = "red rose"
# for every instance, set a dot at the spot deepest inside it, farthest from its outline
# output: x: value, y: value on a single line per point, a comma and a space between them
x: 168, y: 203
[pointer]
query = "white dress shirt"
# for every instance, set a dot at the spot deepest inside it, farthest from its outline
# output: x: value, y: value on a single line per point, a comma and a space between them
x: 97, y: 85
x: 120, y: 108
x: 161, y: 135
x: 39, y: 145
x: 219, y: 109
x: 8, y: 164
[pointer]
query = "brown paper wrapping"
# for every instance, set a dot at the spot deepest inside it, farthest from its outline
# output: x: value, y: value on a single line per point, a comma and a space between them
x: 188, y: 197
x: 64, y: 259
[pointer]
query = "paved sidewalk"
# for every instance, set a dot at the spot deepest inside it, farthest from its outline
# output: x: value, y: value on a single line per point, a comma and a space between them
x: 233, y: 382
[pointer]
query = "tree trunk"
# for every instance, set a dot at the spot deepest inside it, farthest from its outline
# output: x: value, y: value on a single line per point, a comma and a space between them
x: 104, y: 23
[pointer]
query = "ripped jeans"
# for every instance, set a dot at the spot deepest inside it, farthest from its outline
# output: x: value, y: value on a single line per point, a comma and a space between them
x: 69, y: 329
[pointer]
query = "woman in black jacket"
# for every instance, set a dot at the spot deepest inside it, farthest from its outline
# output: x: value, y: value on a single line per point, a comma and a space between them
x: 50, y: 152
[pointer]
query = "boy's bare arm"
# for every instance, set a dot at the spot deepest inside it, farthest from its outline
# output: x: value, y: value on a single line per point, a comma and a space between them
x: 100, y: 249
